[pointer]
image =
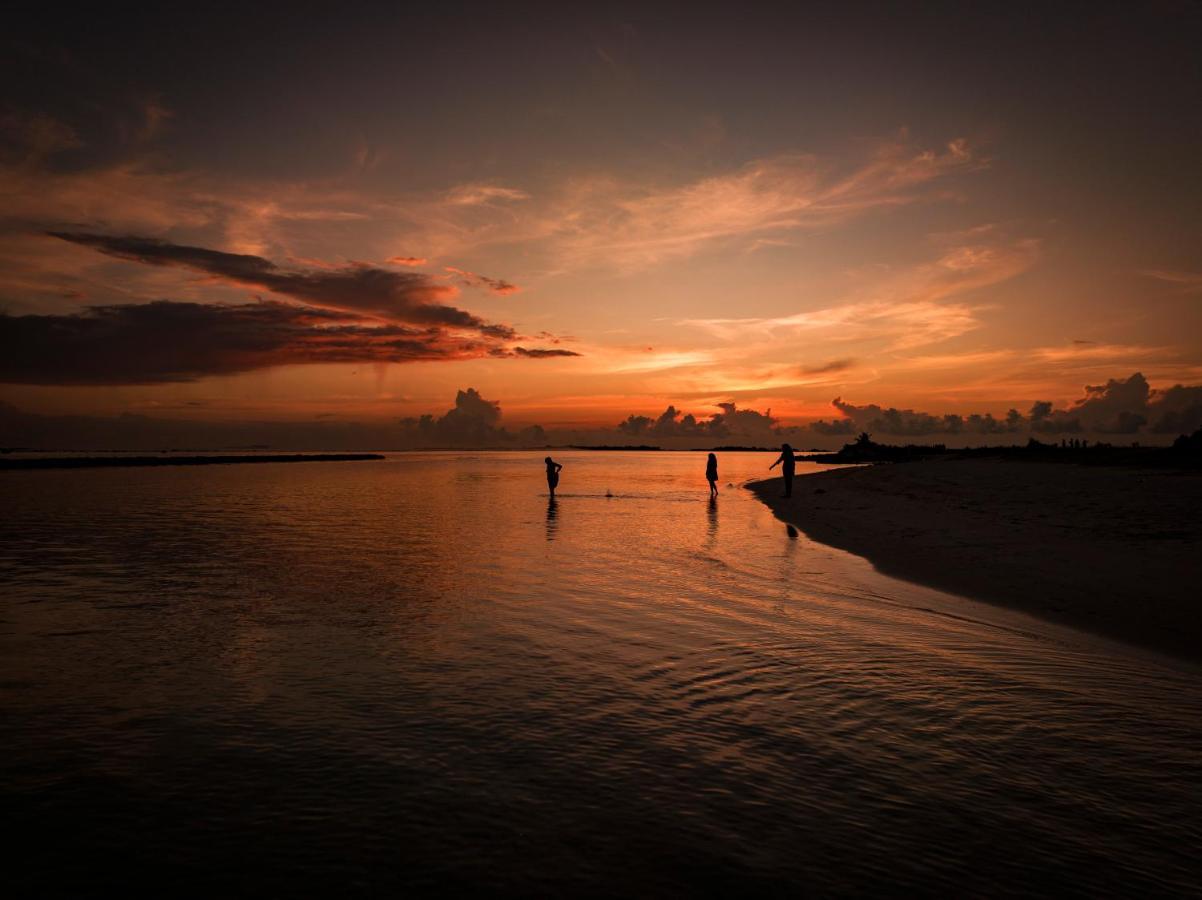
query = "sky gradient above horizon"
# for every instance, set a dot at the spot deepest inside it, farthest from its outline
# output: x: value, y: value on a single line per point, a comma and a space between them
x: 259, y: 216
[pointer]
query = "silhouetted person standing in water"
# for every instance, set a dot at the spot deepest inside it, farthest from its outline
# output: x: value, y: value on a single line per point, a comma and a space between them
x: 711, y: 474
x: 552, y: 475
x: 788, y: 463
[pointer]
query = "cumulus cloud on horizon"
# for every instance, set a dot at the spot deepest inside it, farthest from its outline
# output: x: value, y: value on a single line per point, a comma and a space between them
x: 730, y: 422
x: 475, y: 422
x: 472, y: 422
x: 1118, y: 407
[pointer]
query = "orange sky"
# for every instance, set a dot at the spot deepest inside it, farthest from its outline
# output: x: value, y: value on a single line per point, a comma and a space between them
x: 692, y: 243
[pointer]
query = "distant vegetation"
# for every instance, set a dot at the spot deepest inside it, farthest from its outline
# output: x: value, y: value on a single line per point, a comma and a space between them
x: 1185, y: 451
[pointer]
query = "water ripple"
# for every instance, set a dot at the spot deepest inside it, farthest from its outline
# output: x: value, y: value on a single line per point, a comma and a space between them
x: 409, y: 676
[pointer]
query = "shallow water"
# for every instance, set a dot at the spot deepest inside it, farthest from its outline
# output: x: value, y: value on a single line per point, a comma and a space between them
x: 417, y: 674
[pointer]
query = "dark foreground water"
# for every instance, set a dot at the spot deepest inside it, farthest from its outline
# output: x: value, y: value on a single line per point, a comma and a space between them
x: 416, y: 674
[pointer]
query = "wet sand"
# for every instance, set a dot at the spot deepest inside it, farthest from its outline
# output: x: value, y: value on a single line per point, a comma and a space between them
x: 1110, y: 550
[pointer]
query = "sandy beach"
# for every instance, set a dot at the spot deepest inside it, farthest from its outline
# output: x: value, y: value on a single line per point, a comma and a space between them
x: 1109, y: 550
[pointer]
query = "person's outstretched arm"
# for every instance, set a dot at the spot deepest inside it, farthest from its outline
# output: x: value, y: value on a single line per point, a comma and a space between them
x: 777, y: 463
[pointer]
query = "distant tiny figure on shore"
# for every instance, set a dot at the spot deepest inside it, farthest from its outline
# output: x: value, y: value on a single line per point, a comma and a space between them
x: 788, y: 464
x: 552, y: 475
x: 711, y: 474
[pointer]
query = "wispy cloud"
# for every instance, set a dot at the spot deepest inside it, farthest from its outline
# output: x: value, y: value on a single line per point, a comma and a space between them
x: 906, y: 323
x: 632, y: 227
x: 900, y: 310
x: 478, y: 194
x: 1094, y: 354
x: 627, y: 222
x: 1187, y: 282
x: 576, y: 220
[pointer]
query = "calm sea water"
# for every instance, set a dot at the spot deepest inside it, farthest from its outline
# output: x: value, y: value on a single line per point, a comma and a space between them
x: 417, y: 674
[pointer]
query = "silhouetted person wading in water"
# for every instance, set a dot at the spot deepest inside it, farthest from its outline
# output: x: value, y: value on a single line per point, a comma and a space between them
x: 552, y: 475
x: 711, y: 474
x: 787, y: 463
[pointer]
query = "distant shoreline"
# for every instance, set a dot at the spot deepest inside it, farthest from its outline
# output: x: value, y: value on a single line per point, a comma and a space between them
x: 1112, y: 550
x: 121, y: 462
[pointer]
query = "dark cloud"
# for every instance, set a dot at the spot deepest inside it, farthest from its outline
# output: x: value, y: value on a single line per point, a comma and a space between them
x: 1176, y: 410
x: 167, y: 341
x: 409, y: 297
x: 1128, y: 406
x: 28, y: 138
x: 835, y: 365
x: 1043, y: 419
x: 834, y: 427
x: 474, y: 279
x: 355, y: 313
x: 541, y: 352
x: 1116, y: 407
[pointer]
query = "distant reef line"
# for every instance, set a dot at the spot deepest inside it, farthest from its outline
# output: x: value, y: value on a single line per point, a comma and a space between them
x: 122, y: 462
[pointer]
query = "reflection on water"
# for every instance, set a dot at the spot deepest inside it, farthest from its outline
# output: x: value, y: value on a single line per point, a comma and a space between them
x: 552, y: 517
x: 421, y: 673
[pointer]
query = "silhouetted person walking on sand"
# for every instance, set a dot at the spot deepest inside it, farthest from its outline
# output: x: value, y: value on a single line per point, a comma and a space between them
x: 788, y: 463
x: 552, y: 475
x: 711, y: 474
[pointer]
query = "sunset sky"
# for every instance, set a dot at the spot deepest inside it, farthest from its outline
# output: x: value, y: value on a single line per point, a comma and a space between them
x: 224, y: 214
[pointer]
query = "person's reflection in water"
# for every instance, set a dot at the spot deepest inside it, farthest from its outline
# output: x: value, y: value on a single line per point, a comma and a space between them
x: 788, y: 464
x: 552, y: 517
x: 791, y: 551
x: 711, y: 475
x: 552, y: 475
x: 712, y: 513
